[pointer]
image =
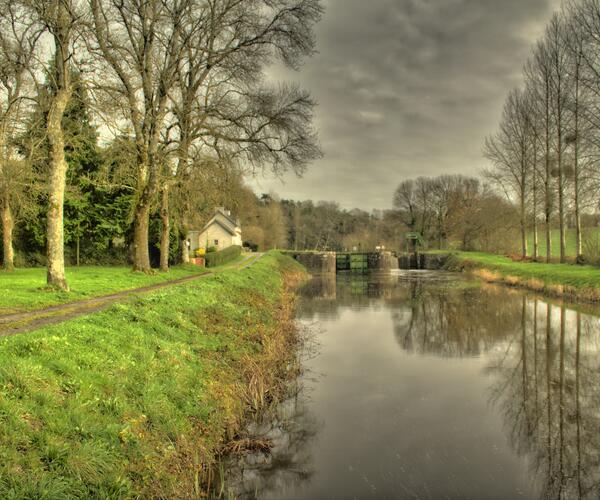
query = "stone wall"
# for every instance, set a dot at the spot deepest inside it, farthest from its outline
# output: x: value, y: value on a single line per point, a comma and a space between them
x: 382, y: 261
x: 317, y: 263
x: 425, y: 261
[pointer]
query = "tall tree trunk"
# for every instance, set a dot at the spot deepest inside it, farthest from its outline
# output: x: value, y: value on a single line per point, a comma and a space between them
x: 578, y: 237
x: 165, y: 232
x: 147, y: 186
x: 561, y: 185
x: 536, y: 240
x: 561, y: 206
x: 8, y: 257
x: 58, y: 172
x: 523, y: 228
x: 183, y: 175
x: 547, y: 180
x: 141, y: 254
x: 77, y: 250
x: 523, y: 207
x: 7, y: 236
x: 55, y: 252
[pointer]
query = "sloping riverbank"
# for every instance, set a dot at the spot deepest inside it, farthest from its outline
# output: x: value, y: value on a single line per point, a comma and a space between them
x: 569, y: 281
x: 138, y: 400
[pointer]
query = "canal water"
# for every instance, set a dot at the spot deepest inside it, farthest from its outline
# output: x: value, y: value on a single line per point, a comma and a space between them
x: 424, y: 385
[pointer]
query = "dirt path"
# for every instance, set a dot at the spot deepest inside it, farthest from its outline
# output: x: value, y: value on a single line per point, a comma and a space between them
x: 11, y: 324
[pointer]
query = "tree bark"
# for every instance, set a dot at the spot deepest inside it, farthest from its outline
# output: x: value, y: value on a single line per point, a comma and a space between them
x: 547, y: 179
x: 7, y: 236
x: 576, y: 187
x: 559, y: 154
x: 523, y: 231
x: 165, y: 233
x: 522, y: 204
x: 561, y: 201
x: 55, y: 251
x: 58, y: 171
x: 536, y: 241
x: 141, y: 254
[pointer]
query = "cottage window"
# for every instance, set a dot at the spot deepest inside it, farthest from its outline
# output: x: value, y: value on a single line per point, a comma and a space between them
x: 216, y: 243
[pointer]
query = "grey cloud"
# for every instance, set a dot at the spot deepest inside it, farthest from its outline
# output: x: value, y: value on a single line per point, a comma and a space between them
x: 408, y: 88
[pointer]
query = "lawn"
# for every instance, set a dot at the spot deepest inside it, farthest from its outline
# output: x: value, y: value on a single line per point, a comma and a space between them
x: 135, y: 401
x: 550, y: 274
x: 592, y: 232
x: 24, y: 289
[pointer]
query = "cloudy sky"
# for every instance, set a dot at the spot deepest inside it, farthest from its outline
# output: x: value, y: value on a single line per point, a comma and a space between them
x: 408, y: 88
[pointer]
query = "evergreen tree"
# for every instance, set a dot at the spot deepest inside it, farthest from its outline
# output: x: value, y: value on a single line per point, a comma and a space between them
x: 96, y: 214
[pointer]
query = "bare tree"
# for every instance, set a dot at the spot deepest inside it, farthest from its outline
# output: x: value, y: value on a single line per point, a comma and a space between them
x: 58, y: 19
x: 574, y: 41
x: 138, y: 46
x: 538, y: 77
x: 413, y: 201
x: 559, y: 85
x: 222, y: 108
x: 19, y: 34
x: 510, y: 152
x: 583, y: 44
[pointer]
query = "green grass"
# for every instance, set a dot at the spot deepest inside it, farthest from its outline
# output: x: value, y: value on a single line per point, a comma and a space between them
x: 550, y: 274
x: 23, y: 289
x: 592, y: 232
x: 132, y: 401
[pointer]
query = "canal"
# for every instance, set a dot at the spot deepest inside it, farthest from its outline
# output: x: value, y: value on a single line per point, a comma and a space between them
x: 426, y: 385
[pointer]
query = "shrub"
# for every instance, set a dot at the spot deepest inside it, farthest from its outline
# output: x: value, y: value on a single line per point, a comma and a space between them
x: 200, y: 252
x: 214, y: 259
x: 211, y: 249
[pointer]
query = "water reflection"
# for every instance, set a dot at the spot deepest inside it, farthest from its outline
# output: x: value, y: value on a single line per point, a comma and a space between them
x: 434, y: 386
x: 546, y: 386
x: 290, y: 431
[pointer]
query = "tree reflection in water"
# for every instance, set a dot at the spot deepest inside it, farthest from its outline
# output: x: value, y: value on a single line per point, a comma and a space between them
x: 542, y: 361
x: 547, y: 387
x: 545, y: 368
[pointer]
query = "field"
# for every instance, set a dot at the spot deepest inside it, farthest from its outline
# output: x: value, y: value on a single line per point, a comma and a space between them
x: 135, y: 401
x: 588, y: 233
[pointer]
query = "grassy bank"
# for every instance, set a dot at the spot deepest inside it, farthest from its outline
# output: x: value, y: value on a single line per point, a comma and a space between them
x: 560, y: 280
x: 24, y: 289
x: 136, y: 401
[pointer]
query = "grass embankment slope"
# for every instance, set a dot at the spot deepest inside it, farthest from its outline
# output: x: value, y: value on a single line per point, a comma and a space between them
x: 563, y: 280
x: 136, y: 401
x: 24, y: 289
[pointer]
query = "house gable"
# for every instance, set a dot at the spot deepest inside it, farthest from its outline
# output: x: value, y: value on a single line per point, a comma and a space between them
x: 221, y: 231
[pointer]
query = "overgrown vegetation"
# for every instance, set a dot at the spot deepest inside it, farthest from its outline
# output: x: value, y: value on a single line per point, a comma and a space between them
x: 138, y: 400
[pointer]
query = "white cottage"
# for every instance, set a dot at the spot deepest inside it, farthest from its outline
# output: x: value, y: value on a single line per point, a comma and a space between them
x: 221, y: 231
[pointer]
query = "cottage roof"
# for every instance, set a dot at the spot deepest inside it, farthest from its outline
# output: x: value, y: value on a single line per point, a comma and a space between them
x: 225, y: 220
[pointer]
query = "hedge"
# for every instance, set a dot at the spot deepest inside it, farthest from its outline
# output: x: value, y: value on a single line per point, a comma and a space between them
x: 214, y: 259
